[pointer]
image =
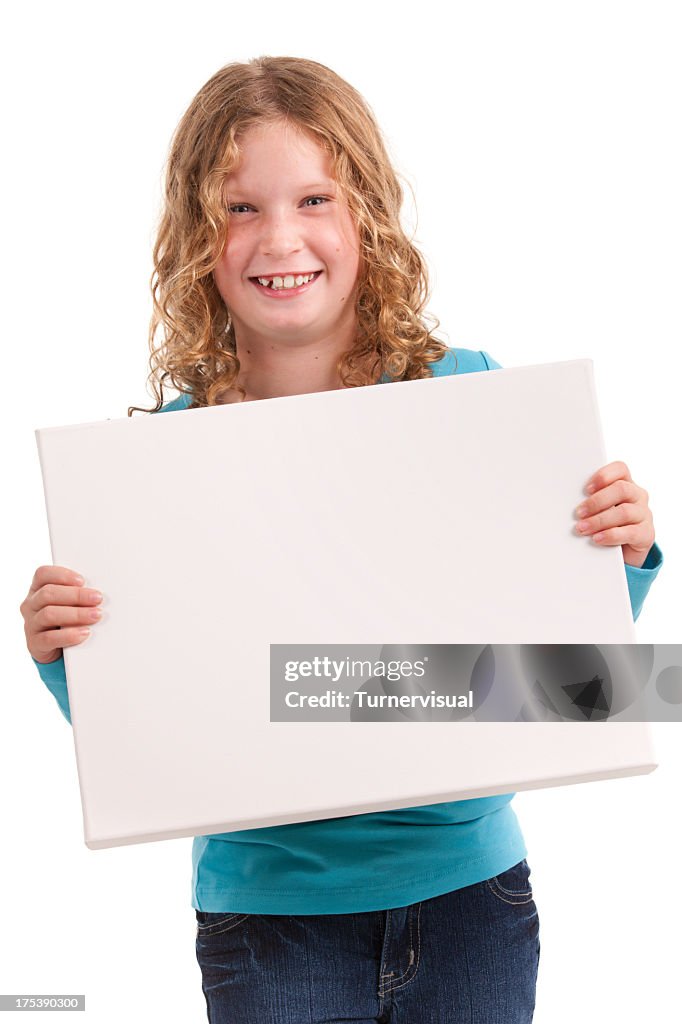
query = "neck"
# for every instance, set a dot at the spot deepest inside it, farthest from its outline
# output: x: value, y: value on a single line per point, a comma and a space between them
x: 272, y: 370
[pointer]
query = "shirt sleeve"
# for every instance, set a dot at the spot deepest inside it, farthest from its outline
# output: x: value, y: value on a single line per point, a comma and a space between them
x: 54, y: 676
x: 639, y: 579
x: 490, y: 363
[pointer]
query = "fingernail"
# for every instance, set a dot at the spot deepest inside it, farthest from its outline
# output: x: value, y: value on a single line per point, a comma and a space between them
x: 79, y: 579
x: 590, y: 489
x: 581, y: 510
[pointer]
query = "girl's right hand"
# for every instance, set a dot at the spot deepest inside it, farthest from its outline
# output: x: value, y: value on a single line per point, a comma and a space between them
x: 57, y: 611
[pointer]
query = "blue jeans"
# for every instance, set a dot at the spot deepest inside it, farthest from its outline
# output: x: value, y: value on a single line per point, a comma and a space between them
x: 468, y: 956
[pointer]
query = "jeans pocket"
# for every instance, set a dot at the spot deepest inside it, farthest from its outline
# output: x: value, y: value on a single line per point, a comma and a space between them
x: 209, y: 924
x: 513, y: 885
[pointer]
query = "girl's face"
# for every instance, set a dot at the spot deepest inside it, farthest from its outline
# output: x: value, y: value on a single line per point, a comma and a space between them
x: 287, y: 218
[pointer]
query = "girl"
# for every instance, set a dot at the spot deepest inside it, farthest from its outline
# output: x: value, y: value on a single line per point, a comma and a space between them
x: 281, y: 268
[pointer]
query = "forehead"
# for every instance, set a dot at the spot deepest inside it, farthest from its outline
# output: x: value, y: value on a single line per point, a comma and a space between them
x: 281, y: 150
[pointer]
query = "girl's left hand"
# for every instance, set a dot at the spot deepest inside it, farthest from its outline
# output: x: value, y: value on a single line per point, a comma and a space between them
x: 617, y: 512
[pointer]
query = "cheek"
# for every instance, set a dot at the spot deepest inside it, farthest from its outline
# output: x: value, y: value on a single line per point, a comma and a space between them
x: 226, y: 269
x: 352, y: 251
x: 219, y: 278
x: 353, y: 259
x: 233, y: 252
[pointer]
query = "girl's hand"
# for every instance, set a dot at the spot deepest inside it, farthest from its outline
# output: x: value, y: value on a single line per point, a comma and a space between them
x: 57, y: 611
x: 617, y: 512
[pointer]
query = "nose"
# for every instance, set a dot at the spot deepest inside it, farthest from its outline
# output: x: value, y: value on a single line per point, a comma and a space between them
x: 281, y: 236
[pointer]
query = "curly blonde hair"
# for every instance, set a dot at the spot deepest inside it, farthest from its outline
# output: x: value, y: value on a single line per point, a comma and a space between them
x: 198, y: 353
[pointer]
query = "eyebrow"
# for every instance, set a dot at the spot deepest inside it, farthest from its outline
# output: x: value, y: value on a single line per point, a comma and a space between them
x: 325, y: 187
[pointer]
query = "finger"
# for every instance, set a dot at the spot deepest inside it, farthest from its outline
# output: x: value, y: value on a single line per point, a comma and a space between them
x: 56, y: 594
x: 634, y: 535
x: 613, y: 494
x: 54, y: 574
x: 55, y: 616
x: 607, y: 475
x: 621, y: 515
x: 53, y: 639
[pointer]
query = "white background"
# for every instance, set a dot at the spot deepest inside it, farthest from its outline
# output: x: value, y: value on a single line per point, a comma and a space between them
x: 542, y: 143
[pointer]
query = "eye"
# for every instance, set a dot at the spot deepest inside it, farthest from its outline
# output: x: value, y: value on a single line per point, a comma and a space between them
x: 237, y: 207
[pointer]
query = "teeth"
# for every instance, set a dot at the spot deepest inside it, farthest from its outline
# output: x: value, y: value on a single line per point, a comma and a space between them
x: 286, y: 282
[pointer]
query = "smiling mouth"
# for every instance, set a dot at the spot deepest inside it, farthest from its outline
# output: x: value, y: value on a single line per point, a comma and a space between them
x: 294, y: 290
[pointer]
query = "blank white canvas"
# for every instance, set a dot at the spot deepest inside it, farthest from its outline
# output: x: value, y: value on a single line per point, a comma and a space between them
x: 430, y: 511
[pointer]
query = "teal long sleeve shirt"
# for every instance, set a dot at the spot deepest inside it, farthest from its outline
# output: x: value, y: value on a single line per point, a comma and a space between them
x: 361, y: 862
